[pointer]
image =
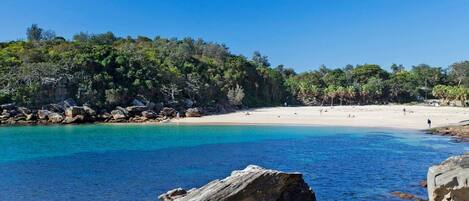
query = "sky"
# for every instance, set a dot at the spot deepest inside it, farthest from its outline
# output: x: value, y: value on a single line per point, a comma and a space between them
x: 301, y: 34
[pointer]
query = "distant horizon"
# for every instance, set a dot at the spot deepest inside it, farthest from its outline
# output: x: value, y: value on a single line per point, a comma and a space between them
x: 302, y: 36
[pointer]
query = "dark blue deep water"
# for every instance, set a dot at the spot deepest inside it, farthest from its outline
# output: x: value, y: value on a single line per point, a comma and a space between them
x: 139, y: 162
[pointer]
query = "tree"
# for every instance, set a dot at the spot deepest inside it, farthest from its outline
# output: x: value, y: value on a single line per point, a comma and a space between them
x: 341, y: 92
x: 34, y: 33
x: 459, y: 73
x: 236, y: 95
x: 331, y: 92
x: 362, y: 73
x: 260, y: 60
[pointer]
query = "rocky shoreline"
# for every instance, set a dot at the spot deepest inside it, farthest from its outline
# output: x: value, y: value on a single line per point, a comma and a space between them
x: 68, y: 112
x: 460, y: 131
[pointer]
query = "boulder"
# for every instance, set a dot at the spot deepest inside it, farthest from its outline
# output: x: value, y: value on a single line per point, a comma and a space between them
x: 31, y: 117
x: 118, y: 115
x: 73, y: 120
x: 24, y: 111
x: 149, y: 114
x: 8, y: 106
x: 125, y: 111
x: 54, y: 108
x: 89, y: 111
x: 136, y: 110
x: 168, y: 112
x: 137, y: 102
x: 68, y: 103
x: 252, y: 183
x: 449, y: 181
x: 43, y: 114
x: 55, y: 117
x: 193, y: 112
x: 74, y: 111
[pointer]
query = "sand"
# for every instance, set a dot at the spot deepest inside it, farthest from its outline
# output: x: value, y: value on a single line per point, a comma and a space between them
x: 387, y: 116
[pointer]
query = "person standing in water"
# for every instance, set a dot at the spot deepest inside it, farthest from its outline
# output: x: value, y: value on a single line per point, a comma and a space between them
x: 429, y: 122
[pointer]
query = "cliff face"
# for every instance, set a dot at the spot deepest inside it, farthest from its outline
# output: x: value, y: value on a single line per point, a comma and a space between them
x: 449, y: 181
x: 251, y: 184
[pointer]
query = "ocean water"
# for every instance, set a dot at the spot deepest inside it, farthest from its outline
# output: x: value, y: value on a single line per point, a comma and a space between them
x: 139, y: 162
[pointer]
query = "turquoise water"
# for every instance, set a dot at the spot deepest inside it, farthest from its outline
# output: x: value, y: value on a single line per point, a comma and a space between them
x: 139, y: 162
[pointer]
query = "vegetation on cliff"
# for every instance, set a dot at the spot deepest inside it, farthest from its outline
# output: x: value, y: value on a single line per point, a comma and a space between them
x: 105, y: 71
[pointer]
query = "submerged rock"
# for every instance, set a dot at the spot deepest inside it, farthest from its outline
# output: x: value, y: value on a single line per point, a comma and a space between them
x: 251, y: 184
x: 449, y: 181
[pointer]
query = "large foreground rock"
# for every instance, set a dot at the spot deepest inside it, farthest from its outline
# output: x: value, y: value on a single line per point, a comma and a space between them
x: 251, y: 184
x: 449, y: 181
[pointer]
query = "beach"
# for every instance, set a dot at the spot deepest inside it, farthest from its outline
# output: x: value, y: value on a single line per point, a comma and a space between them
x: 386, y: 116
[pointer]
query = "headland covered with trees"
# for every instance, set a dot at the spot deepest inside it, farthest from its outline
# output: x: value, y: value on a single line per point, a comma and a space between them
x: 103, y: 71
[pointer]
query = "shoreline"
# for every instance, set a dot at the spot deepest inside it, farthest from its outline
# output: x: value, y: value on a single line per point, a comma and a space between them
x: 369, y: 116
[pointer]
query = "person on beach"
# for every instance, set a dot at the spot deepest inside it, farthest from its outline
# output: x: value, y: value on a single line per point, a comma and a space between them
x: 403, y: 110
x: 285, y: 104
x: 429, y: 122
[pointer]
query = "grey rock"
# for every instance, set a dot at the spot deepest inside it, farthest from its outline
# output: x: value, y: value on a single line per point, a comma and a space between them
x: 43, y: 114
x: 449, y: 181
x: 55, y: 117
x: 193, y: 112
x: 118, y: 115
x: 137, y: 102
x: 251, y: 184
x: 8, y: 106
x: 136, y: 110
x: 89, y: 111
x: 149, y: 114
x: 73, y: 120
x: 54, y: 108
x: 74, y: 111
x: 125, y: 111
x: 168, y: 112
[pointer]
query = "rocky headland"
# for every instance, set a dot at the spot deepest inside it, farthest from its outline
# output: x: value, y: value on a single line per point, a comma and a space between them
x: 449, y: 181
x: 458, y: 131
x: 251, y: 184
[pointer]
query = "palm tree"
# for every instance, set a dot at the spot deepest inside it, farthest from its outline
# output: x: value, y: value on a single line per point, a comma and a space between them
x: 351, y: 93
x: 341, y: 92
x: 331, y: 92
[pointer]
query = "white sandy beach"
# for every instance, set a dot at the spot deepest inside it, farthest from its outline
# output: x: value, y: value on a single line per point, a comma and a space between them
x: 389, y: 116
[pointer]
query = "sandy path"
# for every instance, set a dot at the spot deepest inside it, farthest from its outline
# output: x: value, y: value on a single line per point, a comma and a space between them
x: 390, y: 116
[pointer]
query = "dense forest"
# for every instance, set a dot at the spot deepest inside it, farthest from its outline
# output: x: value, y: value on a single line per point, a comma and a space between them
x: 105, y: 71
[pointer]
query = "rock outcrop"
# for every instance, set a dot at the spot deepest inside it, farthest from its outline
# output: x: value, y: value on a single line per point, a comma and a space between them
x: 251, y: 184
x: 449, y: 181
x: 459, y: 131
x: 168, y: 112
x: 193, y: 112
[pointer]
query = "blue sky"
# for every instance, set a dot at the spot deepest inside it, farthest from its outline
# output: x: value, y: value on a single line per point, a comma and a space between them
x: 299, y: 34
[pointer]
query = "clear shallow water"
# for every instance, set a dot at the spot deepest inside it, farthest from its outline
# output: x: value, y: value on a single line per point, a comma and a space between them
x: 139, y: 162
